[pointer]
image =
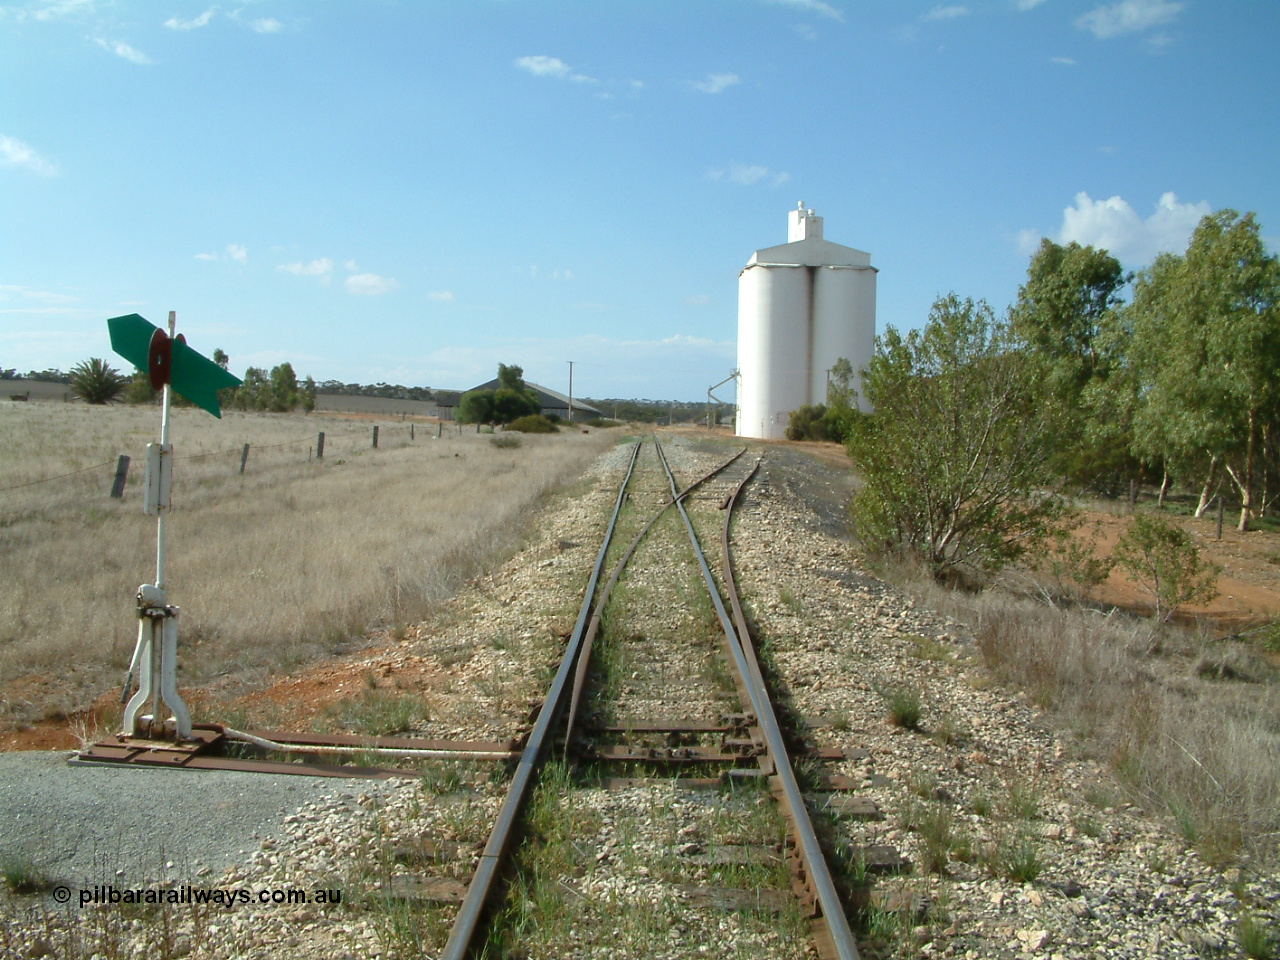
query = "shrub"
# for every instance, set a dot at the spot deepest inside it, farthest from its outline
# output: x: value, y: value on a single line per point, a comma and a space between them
x: 1165, y: 561
x: 1015, y: 857
x: 505, y: 442
x: 534, y: 423
x: 20, y: 876
x: 956, y: 458
x: 1256, y: 938
x: 139, y: 389
x: 600, y: 423
x: 1076, y: 561
x: 935, y: 825
x: 94, y: 381
x: 904, y: 705
x: 807, y: 423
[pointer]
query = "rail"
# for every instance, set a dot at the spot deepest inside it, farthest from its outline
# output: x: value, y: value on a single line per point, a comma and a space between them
x: 468, y: 919
x: 815, y: 863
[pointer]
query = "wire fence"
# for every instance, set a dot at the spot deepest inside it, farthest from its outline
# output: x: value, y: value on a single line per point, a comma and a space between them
x: 116, y: 478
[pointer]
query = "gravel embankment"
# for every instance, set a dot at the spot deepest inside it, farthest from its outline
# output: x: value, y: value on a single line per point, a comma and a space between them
x: 1113, y: 882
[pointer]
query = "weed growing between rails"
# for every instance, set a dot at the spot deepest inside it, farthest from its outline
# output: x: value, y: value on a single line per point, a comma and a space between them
x: 606, y: 873
x: 272, y: 568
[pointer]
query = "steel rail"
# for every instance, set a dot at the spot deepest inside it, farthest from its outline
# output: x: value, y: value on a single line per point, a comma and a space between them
x: 815, y: 863
x: 465, y: 924
x: 584, y: 658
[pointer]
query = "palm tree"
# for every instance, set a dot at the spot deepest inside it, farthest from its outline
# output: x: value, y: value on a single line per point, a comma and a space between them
x: 93, y: 381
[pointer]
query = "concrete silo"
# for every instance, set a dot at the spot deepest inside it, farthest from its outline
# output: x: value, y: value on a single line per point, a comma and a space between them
x: 802, y: 306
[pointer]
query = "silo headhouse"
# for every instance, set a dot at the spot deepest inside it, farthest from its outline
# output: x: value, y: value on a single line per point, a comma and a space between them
x: 802, y: 305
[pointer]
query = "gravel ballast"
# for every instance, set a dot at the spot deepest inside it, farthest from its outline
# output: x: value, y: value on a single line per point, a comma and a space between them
x: 1113, y: 879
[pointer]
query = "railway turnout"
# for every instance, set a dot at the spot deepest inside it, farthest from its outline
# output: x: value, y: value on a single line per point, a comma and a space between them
x: 641, y: 697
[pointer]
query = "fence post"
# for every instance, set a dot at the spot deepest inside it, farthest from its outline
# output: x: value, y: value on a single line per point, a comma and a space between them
x: 244, y: 457
x: 1219, y: 516
x: 439, y: 429
x: 411, y: 431
x: 375, y: 438
x: 320, y: 446
x: 122, y: 474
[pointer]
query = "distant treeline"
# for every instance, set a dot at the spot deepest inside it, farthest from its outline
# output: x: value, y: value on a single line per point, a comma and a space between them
x: 48, y: 376
x: 258, y: 396
x: 390, y: 391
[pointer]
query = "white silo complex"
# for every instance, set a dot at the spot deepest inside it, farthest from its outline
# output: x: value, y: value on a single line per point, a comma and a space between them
x: 802, y: 305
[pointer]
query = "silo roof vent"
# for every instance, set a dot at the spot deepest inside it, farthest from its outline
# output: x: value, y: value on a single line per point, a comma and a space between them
x: 802, y: 224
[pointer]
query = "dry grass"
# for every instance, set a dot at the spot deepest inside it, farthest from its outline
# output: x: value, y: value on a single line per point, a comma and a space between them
x: 1204, y: 751
x: 271, y: 568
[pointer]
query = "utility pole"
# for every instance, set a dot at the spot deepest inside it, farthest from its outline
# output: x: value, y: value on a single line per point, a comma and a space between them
x: 571, y: 391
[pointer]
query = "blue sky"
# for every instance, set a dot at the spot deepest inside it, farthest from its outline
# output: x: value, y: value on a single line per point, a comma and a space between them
x: 414, y: 191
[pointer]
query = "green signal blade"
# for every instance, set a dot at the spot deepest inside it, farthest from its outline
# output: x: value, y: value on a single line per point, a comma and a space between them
x: 198, y: 378
x: 131, y: 338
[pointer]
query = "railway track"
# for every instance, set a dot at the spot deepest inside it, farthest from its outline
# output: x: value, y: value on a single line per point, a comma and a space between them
x: 656, y: 802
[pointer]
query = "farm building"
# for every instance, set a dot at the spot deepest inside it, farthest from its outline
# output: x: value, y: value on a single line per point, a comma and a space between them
x: 553, y: 402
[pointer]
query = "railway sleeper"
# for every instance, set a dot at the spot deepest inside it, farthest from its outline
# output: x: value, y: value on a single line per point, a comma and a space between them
x: 626, y: 754
x: 435, y: 851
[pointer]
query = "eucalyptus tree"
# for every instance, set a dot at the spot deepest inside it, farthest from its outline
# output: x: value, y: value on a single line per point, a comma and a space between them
x: 1206, y: 354
x: 1065, y: 315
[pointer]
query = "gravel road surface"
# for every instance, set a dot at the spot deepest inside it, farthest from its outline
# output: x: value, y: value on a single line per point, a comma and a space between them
x: 85, y: 825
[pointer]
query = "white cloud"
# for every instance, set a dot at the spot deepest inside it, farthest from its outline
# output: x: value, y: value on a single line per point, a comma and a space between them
x: 1027, y: 4
x: 718, y: 82
x: 697, y: 300
x: 316, y: 268
x: 1114, y: 225
x: 266, y: 25
x: 8, y: 290
x: 441, y: 296
x: 350, y: 265
x: 233, y: 251
x: 1063, y: 61
x: 544, y: 66
x: 813, y: 6
x: 57, y: 9
x: 805, y: 31
x: 173, y: 23
x: 121, y: 49
x: 1027, y: 241
x: 370, y: 284
x: 557, y: 274
x: 946, y: 13
x: 1129, y: 16
x: 748, y: 175
x: 15, y: 153
x: 554, y: 67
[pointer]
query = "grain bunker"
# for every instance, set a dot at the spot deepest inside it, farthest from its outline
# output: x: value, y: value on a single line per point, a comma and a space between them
x: 802, y: 305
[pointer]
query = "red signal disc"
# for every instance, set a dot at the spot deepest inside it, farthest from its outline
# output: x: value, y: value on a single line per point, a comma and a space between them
x: 159, y: 359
